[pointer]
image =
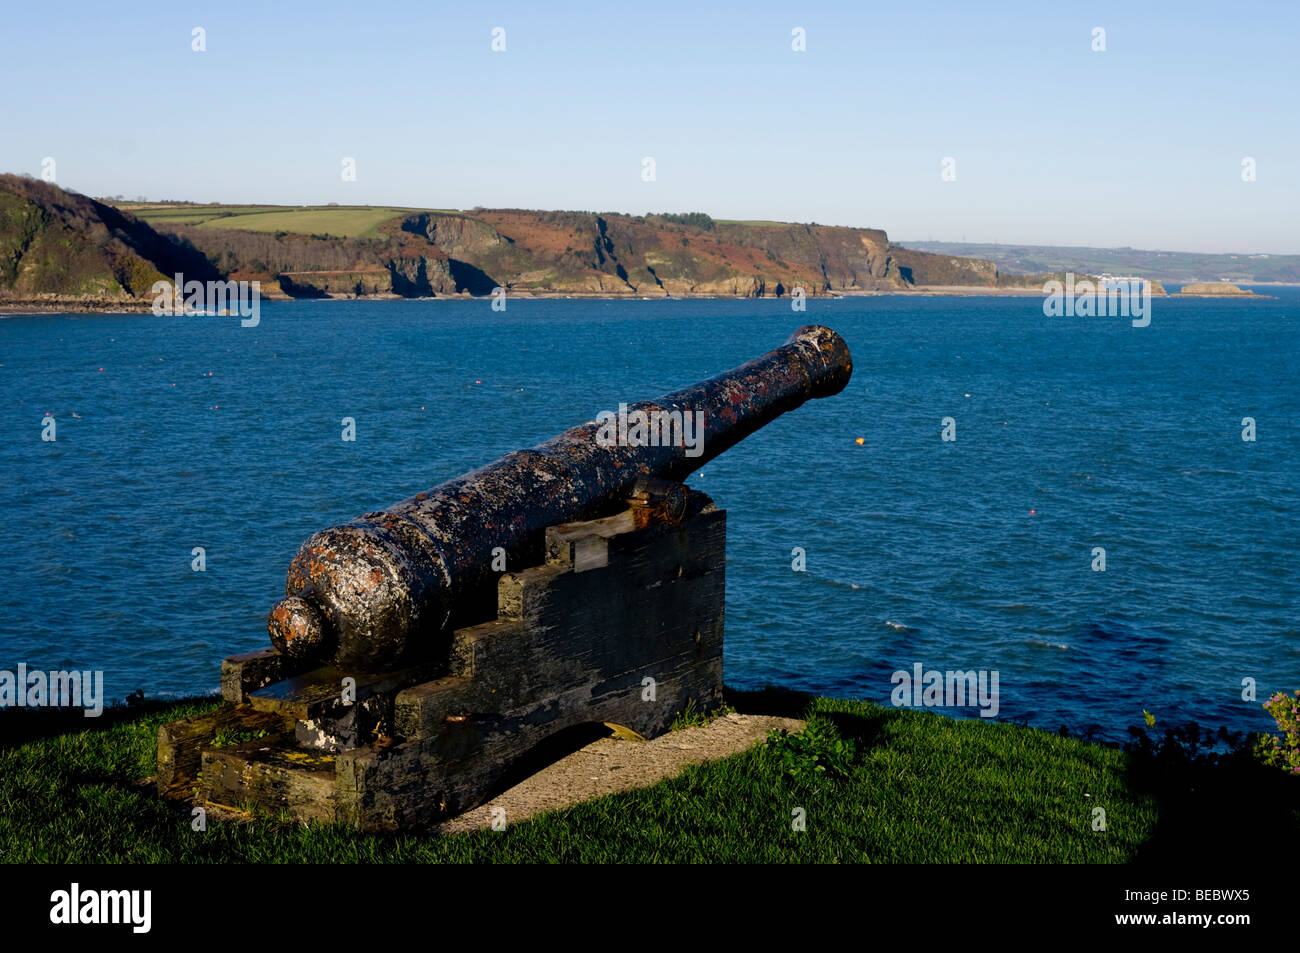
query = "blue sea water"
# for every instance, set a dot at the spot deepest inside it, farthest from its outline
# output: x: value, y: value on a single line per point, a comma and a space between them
x: 1072, y: 433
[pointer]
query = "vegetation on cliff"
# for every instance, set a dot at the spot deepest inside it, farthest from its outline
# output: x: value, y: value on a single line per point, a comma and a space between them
x: 56, y: 244
x: 1213, y: 289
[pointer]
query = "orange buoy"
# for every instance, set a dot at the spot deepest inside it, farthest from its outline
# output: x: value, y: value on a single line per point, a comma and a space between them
x: 860, y: 441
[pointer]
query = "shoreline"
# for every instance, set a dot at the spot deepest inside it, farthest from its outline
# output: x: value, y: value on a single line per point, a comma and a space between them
x: 74, y: 306
x: 114, y: 306
x: 84, y: 306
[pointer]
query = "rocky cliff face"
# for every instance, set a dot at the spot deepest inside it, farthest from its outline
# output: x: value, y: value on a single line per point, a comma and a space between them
x: 923, y: 268
x: 577, y: 252
x: 336, y: 284
x: 459, y: 236
x: 421, y: 276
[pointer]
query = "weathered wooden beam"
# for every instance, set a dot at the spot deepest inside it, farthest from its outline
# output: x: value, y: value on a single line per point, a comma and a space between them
x: 249, y: 671
x: 271, y: 775
x: 180, y: 743
x: 335, y: 710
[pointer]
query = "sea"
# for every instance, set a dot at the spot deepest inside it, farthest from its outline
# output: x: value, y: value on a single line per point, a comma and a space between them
x: 1103, y: 516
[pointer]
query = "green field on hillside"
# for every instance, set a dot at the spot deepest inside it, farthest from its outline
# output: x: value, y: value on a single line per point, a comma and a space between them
x: 191, y: 214
x: 341, y: 221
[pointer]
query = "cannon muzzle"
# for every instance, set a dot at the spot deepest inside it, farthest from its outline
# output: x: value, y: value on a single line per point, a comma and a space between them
x: 382, y: 588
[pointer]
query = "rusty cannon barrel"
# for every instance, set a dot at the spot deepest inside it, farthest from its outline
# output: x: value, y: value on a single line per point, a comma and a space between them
x: 381, y: 589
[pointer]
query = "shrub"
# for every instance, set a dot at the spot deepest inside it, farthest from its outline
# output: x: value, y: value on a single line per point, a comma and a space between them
x: 695, y: 716
x: 229, y: 736
x: 1275, y: 751
x: 1187, y: 746
x: 699, y: 220
x: 816, y: 752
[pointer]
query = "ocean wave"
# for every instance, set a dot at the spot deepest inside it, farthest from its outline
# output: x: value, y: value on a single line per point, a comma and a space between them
x: 839, y: 583
x: 1048, y: 645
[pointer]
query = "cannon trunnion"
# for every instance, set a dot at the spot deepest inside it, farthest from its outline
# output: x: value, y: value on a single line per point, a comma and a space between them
x: 410, y: 671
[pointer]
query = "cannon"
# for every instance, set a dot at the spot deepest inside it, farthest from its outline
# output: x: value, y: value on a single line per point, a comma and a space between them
x: 384, y: 586
x: 425, y: 652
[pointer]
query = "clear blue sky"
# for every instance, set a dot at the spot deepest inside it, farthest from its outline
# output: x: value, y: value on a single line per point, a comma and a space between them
x: 1140, y: 145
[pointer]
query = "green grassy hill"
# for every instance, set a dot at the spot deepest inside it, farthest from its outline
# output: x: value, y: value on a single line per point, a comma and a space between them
x: 332, y: 221
x: 901, y: 786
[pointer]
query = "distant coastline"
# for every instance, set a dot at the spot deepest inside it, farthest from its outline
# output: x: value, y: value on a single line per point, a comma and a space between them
x: 68, y: 253
x: 78, y: 305
x: 1171, y: 267
x: 12, y: 308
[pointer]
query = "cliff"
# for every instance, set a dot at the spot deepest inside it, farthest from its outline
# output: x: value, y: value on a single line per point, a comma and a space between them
x: 57, y: 247
x: 60, y: 248
x: 611, y: 254
x: 579, y: 253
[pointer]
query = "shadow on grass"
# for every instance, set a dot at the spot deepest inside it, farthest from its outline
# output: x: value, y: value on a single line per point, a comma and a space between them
x: 1215, y: 807
x: 863, y: 730
x: 21, y: 725
x: 772, y: 700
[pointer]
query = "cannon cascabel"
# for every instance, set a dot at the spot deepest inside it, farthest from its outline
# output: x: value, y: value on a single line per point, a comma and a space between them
x: 381, y: 588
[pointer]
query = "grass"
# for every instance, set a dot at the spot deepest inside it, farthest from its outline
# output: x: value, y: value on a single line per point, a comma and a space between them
x: 340, y: 221
x: 693, y: 716
x: 192, y: 214
x: 918, y: 788
x: 225, y: 739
